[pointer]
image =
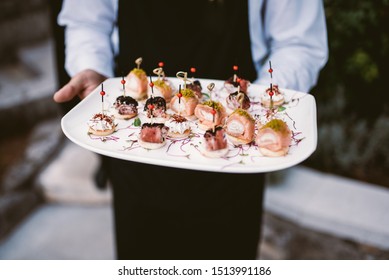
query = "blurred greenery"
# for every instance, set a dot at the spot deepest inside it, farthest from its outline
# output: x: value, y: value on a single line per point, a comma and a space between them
x: 351, y: 94
x: 358, y: 34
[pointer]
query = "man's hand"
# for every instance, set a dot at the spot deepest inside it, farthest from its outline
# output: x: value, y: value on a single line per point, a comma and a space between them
x: 81, y: 84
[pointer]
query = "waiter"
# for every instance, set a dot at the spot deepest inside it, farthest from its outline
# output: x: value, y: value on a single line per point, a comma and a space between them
x: 173, y: 213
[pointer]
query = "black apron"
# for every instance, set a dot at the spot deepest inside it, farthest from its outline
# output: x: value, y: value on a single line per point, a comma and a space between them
x: 211, y: 36
x: 171, y: 213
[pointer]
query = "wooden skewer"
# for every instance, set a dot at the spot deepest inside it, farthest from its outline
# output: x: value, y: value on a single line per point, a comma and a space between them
x: 235, y: 68
x: 179, y: 100
x: 183, y: 76
x: 138, y: 62
x: 158, y: 71
x: 210, y: 88
x: 240, y: 97
x: 123, y: 82
x: 102, y: 93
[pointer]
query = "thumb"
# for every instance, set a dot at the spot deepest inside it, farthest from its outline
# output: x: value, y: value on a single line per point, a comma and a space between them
x: 68, y: 91
x: 81, y: 84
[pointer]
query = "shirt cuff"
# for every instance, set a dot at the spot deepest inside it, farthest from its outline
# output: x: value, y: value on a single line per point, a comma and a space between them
x: 88, y: 49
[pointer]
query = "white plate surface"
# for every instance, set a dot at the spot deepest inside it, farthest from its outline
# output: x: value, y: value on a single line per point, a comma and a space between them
x: 299, y: 113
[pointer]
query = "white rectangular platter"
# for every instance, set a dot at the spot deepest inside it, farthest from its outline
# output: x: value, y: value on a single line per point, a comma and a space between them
x: 299, y: 112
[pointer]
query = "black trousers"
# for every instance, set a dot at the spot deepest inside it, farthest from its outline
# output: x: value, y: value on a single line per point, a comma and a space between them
x: 170, y: 213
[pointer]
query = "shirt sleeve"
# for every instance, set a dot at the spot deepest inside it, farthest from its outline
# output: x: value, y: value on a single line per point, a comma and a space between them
x: 293, y: 36
x: 89, y: 28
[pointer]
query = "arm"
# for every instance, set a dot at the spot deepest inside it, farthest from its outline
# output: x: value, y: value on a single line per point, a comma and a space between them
x: 293, y: 35
x: 89, y: 51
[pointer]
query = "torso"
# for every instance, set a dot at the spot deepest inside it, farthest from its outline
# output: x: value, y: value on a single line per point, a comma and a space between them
x: 211, y: 36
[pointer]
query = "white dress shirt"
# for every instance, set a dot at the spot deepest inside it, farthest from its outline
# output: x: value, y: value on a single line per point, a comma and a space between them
x: 291, y: 34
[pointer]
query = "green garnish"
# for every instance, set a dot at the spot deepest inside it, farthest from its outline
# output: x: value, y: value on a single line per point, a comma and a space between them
x: 244, y: 113
x: 137, y: 122
x: 138, y: 72
x: 277, y: 125
x: 206, y: 95
x: 161, y: 83
x: 187, y: 93
x: 214, y: 104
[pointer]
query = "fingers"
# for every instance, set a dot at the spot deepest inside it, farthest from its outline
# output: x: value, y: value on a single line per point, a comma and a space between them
x: 80, y: 85
x: 70, y: 90
x: 66, y: 93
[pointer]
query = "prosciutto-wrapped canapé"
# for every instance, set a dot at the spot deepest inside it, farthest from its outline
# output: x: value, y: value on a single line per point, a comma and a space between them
x: 273, y: 139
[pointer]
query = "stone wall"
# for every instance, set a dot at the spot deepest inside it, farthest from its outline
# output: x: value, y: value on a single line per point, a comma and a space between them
x: 22, y: 22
